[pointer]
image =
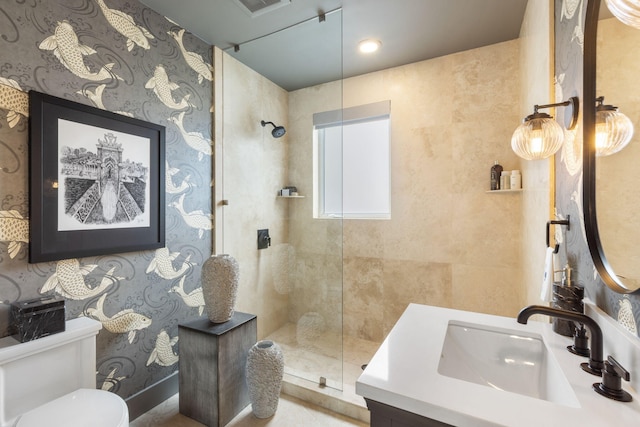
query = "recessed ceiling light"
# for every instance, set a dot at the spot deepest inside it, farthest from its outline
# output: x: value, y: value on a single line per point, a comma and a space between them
x: 369, y: 45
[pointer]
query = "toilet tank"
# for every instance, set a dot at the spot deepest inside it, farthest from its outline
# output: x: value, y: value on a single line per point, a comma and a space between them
x: 35, y: 372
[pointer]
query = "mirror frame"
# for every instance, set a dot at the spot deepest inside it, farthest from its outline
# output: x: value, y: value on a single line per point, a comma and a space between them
x: 598, y: 256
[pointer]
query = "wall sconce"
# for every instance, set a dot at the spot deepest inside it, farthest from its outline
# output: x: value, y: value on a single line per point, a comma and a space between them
x: 539, y: 136
x: 627, y: 11
x: 613, y: 129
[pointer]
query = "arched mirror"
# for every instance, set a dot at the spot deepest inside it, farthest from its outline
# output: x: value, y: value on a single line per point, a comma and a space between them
x: 611, y: 190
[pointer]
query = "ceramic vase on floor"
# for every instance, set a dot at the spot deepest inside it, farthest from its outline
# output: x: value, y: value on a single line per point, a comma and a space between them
x: 309, y: 329
x: 220, y: 275
x: 265, y: 369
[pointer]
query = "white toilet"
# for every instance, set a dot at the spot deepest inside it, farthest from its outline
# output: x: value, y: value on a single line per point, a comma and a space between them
x: 52, y: 381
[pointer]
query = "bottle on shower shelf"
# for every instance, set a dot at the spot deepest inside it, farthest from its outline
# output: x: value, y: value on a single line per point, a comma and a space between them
x: 505, y: 180
x: 496, y: 171
x: 516, y: 180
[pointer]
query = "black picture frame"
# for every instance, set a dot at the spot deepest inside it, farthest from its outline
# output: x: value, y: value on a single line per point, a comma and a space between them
x: 120, y: 202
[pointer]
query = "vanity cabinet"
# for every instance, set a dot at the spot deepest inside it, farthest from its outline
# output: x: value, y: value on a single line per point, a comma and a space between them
x: 388, y: 416
x: 403, y: 387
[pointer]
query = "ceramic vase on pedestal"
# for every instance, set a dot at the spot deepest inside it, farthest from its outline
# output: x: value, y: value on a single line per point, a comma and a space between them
x: 265, y: 369
x: 220, y: 275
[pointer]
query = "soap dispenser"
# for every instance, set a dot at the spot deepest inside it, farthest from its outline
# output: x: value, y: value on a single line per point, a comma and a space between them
x: 566, y: 296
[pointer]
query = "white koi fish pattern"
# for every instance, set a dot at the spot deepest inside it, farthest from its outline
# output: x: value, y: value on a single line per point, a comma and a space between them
x: 14, y: 100
x: 170, y: 187
x: 625, y: 316
x: 96, y: 98
x: 67, y: 48
x: 14, y: 230
x: 162, y: 264
x: 125, y: 25
x: 162, y: 87
x: 194, y: 298
x: 124, y: 322
x: 163, y: 353
x: 195, y: 219
x: 194, y: 60
x: 195, y: 140
x: 68, y: 280
x: 111, y: 380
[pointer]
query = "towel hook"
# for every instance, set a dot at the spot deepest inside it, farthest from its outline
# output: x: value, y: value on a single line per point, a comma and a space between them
x: 566, y: 222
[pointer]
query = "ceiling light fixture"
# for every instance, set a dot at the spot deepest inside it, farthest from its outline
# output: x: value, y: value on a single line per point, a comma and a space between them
x: 627, y: 11
x: 613, y: 129
x: 539, y: 136
x: 369, y: 45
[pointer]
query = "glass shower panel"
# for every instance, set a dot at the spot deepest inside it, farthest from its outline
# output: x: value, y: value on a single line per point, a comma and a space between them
x: 295, y: 285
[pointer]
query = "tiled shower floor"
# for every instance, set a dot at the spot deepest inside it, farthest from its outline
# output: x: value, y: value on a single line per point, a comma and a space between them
x: 338, y: 359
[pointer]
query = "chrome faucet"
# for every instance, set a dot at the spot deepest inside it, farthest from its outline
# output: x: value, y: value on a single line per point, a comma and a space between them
x: 595, y: 364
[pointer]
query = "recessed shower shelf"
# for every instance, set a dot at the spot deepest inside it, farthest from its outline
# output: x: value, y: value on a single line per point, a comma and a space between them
x: 290, y: 197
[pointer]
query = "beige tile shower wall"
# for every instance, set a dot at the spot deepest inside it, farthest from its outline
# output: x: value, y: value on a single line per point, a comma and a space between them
x: 449, y: 243
x: 536, y: 65
x: 250, y: 168
x: 316, y: 245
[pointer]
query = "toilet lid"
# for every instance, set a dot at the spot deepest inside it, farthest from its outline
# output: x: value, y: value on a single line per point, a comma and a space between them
x: 81, y: 408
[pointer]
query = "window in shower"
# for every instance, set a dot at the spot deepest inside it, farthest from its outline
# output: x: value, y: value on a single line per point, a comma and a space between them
x: 352, y: 163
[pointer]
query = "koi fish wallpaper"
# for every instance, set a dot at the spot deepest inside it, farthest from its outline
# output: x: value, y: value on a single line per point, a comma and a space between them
x: 570, y: 17
x: 119, y: 56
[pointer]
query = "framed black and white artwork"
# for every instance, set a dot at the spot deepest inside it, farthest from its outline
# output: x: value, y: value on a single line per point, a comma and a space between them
x: 96, y: 181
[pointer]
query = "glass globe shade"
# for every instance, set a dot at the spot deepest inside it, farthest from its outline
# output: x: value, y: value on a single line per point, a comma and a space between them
x: 613, y: 131
x: 537, y: 138
x: 627, y: 11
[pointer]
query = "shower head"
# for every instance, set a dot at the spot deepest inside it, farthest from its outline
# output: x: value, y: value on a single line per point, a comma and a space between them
x: 277, y: 131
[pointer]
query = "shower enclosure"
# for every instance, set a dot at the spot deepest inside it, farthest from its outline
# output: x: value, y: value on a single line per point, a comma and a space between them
x: 294, y: 286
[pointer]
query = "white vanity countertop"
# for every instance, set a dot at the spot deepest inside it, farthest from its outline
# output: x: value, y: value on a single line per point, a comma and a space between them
x: 404, y: 374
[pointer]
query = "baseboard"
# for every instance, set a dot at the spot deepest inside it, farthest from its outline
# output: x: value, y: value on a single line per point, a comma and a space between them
x: 152, y: 396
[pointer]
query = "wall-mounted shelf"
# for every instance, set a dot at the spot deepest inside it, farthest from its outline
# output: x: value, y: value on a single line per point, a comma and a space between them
x: 290, y: 197
x: 519, y: 190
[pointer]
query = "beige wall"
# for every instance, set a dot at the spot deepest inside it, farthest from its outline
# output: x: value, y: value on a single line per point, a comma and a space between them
x: 250, y: 167
x: 536, y: 68
x: 449, y: 243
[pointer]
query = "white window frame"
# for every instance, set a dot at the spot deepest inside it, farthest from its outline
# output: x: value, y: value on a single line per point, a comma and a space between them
x: 378, y: 114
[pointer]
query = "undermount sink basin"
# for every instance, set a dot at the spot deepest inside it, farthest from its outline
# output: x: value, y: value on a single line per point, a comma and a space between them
x: 509, y: 360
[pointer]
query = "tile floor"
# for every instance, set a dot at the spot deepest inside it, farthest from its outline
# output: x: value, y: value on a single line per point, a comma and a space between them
x: 292, y: 412
x: 330, y: 355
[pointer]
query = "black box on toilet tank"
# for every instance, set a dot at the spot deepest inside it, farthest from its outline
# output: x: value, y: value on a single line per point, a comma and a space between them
x: 37, y: 318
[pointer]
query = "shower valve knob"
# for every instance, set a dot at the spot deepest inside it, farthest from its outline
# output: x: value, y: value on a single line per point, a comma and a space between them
x: 264, y: 240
